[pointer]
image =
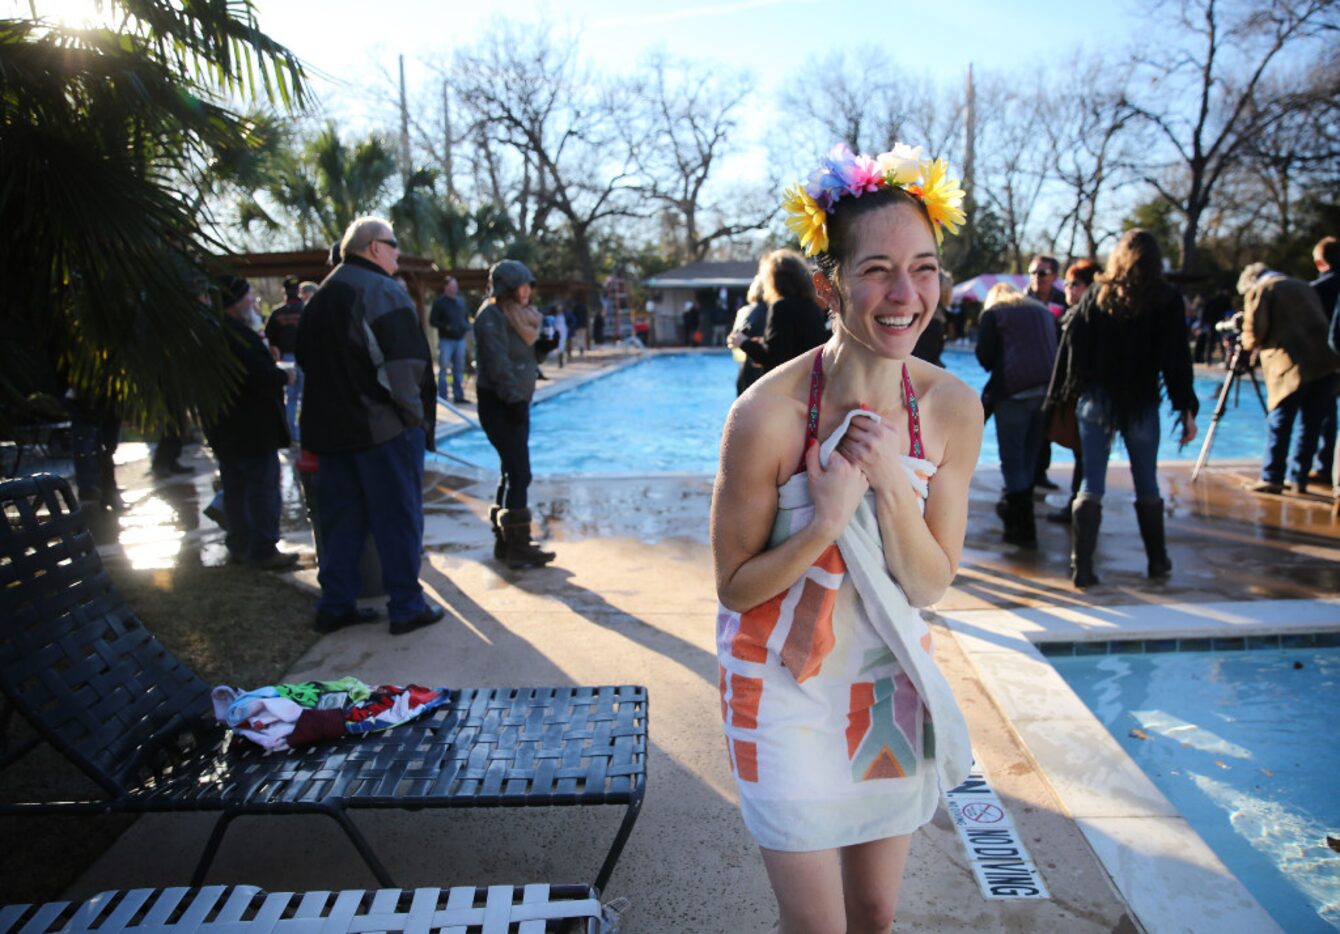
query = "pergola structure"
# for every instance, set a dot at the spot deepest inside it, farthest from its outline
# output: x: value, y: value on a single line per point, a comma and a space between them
x: 423, y: 277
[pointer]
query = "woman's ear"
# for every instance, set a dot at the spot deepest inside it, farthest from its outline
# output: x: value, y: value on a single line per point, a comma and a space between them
x: 823, y: 290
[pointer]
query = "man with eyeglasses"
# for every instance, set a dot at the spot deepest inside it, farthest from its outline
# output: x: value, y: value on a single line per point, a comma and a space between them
x: 1042, y: 273
x: 368, y: 409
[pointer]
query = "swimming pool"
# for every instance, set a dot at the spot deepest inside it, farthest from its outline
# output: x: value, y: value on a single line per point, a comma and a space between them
x: 664, y: 414
x: 1241, y: 743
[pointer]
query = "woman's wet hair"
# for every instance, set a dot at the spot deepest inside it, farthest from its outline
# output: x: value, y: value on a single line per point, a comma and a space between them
x: 842, y: 218
x: 1134, y: 271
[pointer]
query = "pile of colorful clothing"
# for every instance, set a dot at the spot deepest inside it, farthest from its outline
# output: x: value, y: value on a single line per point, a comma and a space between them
x: 280, y: 717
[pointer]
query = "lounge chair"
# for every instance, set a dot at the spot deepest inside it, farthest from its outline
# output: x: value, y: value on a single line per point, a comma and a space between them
x: 79, y: 666
x: 218, y: 909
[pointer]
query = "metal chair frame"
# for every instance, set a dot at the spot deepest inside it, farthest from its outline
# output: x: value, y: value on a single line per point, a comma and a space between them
x: 79, y: 666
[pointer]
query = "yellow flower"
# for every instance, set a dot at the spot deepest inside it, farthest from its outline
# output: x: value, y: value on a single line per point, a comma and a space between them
x: 942, y: 196
x: 806, y: 219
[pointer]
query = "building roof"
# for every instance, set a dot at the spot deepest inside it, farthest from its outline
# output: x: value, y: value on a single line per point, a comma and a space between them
x: 705, y: 275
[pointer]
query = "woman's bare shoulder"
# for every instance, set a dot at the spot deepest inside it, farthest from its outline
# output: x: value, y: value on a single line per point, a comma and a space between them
x: 949, y: 405
x: 766, y: 425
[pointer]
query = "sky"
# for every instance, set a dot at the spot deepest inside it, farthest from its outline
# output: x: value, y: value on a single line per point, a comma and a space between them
x: 767, y: 37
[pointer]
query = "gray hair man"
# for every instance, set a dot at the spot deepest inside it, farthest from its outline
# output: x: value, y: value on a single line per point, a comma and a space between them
x: 368, y: 411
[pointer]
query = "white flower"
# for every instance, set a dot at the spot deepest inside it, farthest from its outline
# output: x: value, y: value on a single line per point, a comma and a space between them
x: 901, y: 165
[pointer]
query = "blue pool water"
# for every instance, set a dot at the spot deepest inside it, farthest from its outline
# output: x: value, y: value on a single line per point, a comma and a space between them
x: 1243, y: 744
x: 665, y: 414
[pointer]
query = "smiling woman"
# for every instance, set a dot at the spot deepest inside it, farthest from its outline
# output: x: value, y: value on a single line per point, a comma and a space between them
x: 842, y: 731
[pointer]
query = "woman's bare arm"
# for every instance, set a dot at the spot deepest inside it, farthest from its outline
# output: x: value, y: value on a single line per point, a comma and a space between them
x: 759, y: 437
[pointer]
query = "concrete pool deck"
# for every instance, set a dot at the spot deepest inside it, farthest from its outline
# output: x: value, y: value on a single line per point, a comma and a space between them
x: 630, y: 599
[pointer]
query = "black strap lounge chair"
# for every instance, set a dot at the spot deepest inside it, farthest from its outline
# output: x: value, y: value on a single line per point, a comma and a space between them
x: 78, y: 665
x: 217, y: 909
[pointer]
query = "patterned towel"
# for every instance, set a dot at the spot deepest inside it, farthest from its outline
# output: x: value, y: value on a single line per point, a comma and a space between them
x: 280, y: 717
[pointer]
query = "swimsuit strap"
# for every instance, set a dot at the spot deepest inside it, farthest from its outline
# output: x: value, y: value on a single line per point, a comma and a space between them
x: 913, y: 416
x: 816, y: 396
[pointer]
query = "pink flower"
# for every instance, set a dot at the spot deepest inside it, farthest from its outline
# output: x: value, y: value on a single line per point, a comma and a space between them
x: 862, y: 175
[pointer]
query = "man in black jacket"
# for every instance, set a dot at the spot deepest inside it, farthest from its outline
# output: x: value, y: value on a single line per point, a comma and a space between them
x: 368, y: 411
x: 1326, y: 257
x: 453, y: 326
x: 247, y: 435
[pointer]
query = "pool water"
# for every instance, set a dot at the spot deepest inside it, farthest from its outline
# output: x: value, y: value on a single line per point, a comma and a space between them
x: 1242, y: 743
x: 664, y: 414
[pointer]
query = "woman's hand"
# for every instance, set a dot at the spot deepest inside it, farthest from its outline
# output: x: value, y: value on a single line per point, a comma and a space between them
x: 1188, y: 429
x: 836, y: 491
x: 873, y: 447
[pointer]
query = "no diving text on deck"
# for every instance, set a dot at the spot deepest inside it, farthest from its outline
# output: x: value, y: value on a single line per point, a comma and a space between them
x: 999, y: 858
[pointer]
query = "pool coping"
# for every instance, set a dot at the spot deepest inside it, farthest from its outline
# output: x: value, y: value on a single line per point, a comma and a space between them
x: 1165, y: 871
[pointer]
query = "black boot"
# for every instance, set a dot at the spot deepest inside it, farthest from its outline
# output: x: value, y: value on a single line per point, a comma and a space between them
x: 521, y: 552
x: 1149, y: 514
x: 1085, y: 518
x: 1020, y: 526
x: 499, y: 546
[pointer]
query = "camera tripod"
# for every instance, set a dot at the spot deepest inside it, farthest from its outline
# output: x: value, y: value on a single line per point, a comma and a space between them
x: 1239, y: 362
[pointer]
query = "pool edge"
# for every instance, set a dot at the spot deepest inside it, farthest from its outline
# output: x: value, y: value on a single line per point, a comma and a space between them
x: 1167, y: 874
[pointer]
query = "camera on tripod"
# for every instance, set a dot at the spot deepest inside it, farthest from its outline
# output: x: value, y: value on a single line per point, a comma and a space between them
x: 1231, y: 327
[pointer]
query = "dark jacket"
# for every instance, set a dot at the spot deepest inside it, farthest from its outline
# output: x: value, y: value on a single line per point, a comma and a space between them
x: 794, y: 325
x: 369, y: 375
x: 1125, y: 354
x: 506, y: 362
x: 253, y: 422
x: 282, y: 328
x: 449, y: 317
x: 1016, y: 342
x: 930, y: 345
x: 1327, y: 287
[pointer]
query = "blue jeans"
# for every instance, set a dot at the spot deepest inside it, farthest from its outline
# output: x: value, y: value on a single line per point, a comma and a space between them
x: 1312, y: 401
x: 378, y: 489
x: 1096, y: 430
x: 251, y: 503
x: 292, y: 395
x: 451, y: 350
x: 1019, y: 438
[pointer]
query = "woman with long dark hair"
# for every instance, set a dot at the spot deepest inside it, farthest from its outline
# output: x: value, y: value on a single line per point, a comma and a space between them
x: 1126, y: 332
x: 841, y: 729
x: 506, y: 329
x: 795, y: 322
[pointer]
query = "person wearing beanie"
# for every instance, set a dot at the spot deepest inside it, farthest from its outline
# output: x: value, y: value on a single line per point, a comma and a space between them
x: 506, y: 329
x: 246, y: 437
x: 368, y: 412
x: 281, y: 330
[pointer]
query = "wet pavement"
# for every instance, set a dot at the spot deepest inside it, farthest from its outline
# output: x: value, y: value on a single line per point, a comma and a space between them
x: 630, y: 600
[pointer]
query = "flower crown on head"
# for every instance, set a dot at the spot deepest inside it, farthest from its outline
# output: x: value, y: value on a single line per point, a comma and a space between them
x: 845, y: 174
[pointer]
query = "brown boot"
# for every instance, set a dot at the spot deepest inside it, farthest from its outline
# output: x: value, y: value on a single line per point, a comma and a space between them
x: 521, y: 552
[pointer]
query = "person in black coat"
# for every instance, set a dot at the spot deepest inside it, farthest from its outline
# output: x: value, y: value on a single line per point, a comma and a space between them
x: 247, y: 434
x: 795, y: 322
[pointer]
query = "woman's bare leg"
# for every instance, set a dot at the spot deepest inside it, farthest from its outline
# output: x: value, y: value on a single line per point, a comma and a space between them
x: 808, y: 887
x: 872, y: 879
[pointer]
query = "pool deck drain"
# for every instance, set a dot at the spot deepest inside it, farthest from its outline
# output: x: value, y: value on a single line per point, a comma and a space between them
x: 630, y: 599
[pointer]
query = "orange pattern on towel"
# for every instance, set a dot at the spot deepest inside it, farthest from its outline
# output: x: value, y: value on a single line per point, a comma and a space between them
x: 750, y: 643
x: 746, y: 761
x: 745, y: 696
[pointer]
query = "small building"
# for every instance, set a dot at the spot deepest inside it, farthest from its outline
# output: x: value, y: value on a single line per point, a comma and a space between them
x: 707, y: 283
